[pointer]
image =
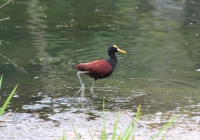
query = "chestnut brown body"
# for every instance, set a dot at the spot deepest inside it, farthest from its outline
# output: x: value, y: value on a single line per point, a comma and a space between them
x: 96, y: 69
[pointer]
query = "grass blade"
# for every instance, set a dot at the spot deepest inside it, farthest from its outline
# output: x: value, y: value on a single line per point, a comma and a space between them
x: 8, y: 115
x: 1, y: 81
x: 90, y: 135
x: 132, y: 125
x: 127, y: 132
x: 137, y: 116
x: 165, y: 127
x: 63, y: 136
x: 139, y: 113
x: 103, y: 133
x: 75, y: 131
x: 7, y: 101
x: 115, y: 127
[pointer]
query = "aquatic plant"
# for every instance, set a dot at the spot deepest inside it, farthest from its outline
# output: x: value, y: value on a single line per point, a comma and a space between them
x: 8, y: 99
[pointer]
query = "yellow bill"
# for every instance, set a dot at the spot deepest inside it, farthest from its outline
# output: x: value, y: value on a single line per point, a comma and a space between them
x: 119, y: 50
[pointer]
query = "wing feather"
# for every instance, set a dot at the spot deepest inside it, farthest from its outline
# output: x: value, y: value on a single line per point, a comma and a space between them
x: 97, y: 66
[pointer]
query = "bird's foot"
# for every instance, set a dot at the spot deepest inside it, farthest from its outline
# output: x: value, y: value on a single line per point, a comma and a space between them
x: 92, y: 91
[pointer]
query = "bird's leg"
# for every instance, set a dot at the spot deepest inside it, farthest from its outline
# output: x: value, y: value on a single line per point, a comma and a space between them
x: 91, y: 89
x: 82, y: 85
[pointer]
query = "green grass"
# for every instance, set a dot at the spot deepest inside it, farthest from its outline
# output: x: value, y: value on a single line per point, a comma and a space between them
x: 63, y: 137
x: 75, y: 131
x: 164, y: 128
x: 128, y: 133
x: 103, y: 133
x: 125, y: 136
x: 8, y: 99
x: 1, y: 81
x: 130, y: 129
x: 115, y: 127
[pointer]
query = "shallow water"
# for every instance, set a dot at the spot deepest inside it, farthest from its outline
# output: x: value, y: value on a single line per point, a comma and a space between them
x: 43, y: 41
x: 184, y: 128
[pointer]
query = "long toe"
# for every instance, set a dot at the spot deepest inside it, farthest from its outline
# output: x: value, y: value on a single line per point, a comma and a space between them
x: 80, y: 90
x: 92, y: 91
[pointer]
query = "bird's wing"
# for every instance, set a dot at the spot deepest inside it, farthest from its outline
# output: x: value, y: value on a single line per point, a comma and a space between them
x: 97, y: 66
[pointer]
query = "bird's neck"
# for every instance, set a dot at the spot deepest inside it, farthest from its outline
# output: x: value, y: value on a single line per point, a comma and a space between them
x: 113, y: 60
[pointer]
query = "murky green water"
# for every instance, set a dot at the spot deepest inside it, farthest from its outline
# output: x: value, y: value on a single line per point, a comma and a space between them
x: 43, y: 41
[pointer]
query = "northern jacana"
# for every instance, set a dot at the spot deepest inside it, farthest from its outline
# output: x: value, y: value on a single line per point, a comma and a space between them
x: 98, y: 69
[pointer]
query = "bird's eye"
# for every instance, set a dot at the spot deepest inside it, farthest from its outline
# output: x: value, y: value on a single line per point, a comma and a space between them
x: 115, y: 46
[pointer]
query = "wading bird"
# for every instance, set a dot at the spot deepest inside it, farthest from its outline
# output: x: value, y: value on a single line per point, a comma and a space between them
x: 98, y: 69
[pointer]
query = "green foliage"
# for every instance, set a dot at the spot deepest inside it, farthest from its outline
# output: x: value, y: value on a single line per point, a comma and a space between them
x: 129, y: 130
x: 90, y: 135
x: 164, y: 127
x: 1, y: 81
x: 8, y: 99
x: 115, y: 127
x: 127, y: 133
x: 131, y: 127
x: 75, y: 131
x: 103, y: 133
x: 63, y: 137
x: 139, y: 113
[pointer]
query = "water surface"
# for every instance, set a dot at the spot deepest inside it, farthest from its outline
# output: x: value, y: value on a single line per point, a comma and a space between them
x: 43, y: 41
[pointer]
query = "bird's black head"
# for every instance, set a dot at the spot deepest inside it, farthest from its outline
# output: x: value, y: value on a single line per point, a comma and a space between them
x: 114, y: 49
